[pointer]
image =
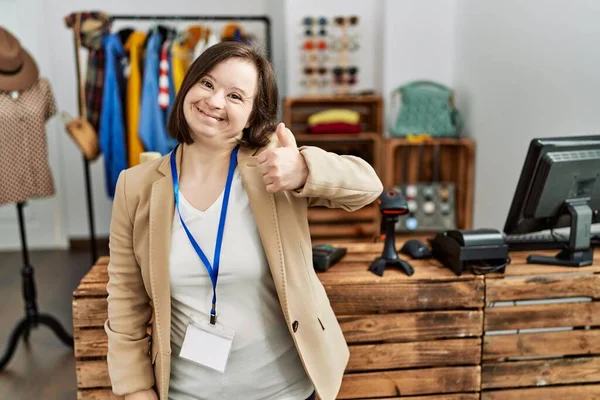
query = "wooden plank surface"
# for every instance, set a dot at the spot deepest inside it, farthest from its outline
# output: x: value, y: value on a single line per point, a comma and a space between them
x: 91, y: 289
x: 98, y: 273
x: 327, y: 215
x: 542, y: 316
x: 92, y: 374
x: 349, y: 299
x: 97, y: 394
x: 571, y: 392
x: 410, y: 382
x: 574, y: 342
x: 453, y: 396
x: 436, y: 353
x: 355, y: 229
x: 89, y: 312
x: 519, y: 267
x: 543, y: 287
x: 90, y: 342
x: 103, y: 260
x: 349, y: 273
x: 540, y: 372
x: 411, y: 326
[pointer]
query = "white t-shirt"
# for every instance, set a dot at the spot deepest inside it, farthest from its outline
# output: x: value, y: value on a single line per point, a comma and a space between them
x: 263, y: 363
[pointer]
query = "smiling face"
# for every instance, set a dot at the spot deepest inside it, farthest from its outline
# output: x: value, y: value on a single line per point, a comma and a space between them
x: 218, y: 107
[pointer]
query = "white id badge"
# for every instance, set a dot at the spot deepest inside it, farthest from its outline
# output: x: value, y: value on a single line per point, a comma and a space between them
x: 207, y: 344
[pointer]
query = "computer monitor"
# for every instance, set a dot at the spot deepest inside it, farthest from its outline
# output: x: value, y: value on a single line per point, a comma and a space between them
x: 559, y: 186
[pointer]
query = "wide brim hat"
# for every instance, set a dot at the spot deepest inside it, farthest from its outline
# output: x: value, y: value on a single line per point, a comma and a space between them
x: 18, y: 70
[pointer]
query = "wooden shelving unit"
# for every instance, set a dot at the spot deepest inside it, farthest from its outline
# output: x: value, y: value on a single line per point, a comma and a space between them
x: 333, y: 224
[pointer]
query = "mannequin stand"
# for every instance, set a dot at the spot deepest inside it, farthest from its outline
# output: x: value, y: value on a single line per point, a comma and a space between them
x: 32, y: 318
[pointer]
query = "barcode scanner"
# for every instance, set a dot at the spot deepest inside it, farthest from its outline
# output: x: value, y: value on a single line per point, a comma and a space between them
x: 391, y: 205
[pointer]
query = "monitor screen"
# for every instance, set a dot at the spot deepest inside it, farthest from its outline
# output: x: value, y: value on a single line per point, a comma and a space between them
x: 555, y: 170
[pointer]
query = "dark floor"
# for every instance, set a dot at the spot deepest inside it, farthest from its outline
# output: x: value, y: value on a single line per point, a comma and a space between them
x: 46, y: 368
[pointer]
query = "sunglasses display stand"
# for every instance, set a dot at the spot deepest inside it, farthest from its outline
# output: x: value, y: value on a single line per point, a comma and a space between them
x: 325, y: 53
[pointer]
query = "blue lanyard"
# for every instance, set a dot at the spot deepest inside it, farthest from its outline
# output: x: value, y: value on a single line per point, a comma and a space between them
x: 213, y: 270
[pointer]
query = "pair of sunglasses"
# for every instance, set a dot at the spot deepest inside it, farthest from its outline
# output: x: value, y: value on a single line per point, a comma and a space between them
x: 315, y: 70
x: 313, y: 57
x: 340, y: 79
x: 321, y: 32
x: 310, y: 21
x: 350, y: 21
x: 314, y: 82
x: 338, y: 71
x: 339, y: 44
x: 315, y: 44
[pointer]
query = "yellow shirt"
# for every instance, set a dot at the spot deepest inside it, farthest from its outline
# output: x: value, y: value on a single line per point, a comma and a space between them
x: 180, y: 61
x: 134, y: 86
x: 334, y: 115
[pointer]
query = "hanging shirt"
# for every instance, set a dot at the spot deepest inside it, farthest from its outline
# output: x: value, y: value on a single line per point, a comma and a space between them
x: 112, y: 127
x: 180, y: 56
x: 264, y: 362
x: 152, y: 129
x: 134, y: 91
x: 163, y: 76
x: 24, y: 163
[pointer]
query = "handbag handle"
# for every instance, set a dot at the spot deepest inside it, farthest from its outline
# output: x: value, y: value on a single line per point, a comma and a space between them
x: 428, y: 84
x: 81, y: 88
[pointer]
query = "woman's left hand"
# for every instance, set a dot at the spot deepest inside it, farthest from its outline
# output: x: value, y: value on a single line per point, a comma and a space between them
x: 283, y: 168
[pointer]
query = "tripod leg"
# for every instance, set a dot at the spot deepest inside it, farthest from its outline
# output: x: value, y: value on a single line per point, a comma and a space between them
x: 57, y: 328
x: 13, y: 341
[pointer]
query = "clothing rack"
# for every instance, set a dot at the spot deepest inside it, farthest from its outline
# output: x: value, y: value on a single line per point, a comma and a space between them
x: 32, y: 317
x: 260, y: 18
x: 121, y: 17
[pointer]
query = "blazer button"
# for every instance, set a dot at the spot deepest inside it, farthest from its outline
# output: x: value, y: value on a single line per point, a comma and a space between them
x: 295, y: 326
x: 169, y: 352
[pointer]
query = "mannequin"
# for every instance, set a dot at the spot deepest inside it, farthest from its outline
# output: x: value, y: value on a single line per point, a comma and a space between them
x: 26, y: 103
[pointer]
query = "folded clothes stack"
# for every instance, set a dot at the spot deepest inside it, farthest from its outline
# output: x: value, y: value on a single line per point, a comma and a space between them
x: 334, y: 121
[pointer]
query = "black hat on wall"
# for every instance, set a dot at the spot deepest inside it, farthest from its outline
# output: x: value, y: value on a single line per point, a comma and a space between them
x: 18, y: 70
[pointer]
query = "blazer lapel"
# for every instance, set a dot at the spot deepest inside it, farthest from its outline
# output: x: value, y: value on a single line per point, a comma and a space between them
x: 162, y: 208
x: 264, y: 208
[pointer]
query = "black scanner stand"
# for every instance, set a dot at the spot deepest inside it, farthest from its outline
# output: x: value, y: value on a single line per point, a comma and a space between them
x: 389, y: 257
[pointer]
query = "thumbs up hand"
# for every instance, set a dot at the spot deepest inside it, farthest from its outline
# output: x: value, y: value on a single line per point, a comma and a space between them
x: 283, y: 168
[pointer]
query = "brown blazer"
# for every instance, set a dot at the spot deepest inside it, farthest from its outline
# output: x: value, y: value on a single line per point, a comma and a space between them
x: 138, y: 287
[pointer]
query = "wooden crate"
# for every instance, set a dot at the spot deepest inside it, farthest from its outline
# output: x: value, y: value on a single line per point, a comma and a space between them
x: 408, y: 336
x: 90, y: 310
x: 457, y: 165
x: 327, y: 224
x: 536, y: 358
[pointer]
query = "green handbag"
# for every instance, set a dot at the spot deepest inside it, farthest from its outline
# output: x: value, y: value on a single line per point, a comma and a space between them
x: 427, y: 108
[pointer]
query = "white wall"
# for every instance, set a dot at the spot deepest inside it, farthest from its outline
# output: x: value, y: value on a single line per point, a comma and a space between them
x: 419, y: 43
x: 523, y: 69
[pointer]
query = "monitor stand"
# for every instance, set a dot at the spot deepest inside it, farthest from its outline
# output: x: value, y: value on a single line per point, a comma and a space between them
x: 579, y: 253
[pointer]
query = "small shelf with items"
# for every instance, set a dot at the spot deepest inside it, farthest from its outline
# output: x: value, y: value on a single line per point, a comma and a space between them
x: 333, y: 224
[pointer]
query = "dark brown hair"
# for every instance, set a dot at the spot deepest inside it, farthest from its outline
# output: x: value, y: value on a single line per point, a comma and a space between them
x: 263, y: 118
